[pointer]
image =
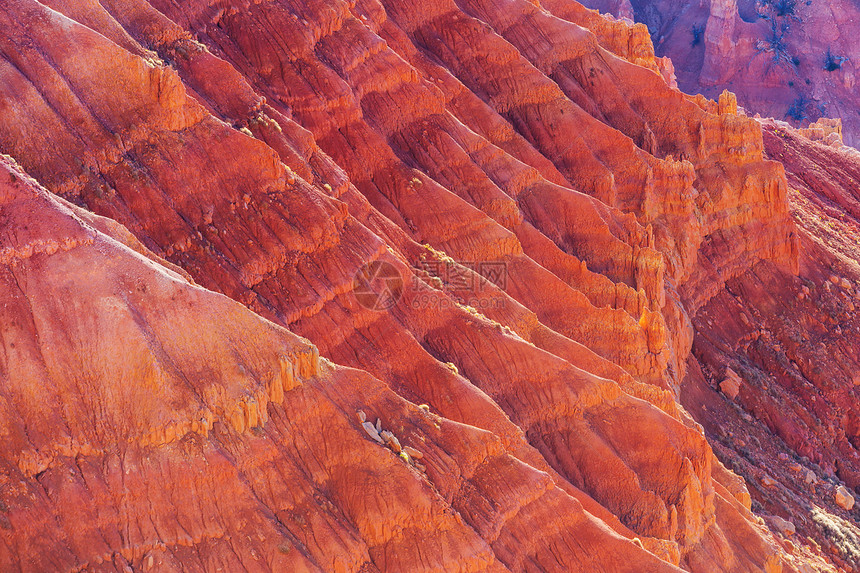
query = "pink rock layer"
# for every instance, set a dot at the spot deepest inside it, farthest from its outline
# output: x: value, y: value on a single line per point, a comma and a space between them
x: 795, y: 60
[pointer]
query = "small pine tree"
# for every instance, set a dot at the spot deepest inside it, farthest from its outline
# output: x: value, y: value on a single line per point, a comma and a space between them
x: 698, y: 32
x: 831, y: 62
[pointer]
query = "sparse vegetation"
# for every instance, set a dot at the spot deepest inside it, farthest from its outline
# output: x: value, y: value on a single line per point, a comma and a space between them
x: 798, y: 110
x: 839, y: 533
x: 698, y: 32
x: 779, y: 13
x: 833, y: 63
x: 776, y: 44
x: 780, y: 8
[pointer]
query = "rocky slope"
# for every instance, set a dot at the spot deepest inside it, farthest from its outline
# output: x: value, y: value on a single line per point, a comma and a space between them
x: 498, y: 229
x: 794, y: 60
x: 790, y: 425
x: 152, y: 424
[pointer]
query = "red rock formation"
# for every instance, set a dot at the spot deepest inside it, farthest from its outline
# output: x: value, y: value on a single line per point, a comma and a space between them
x: 214, y: 436
x: 792, y: 342
x: 548, y: 214
x: 798, y: 64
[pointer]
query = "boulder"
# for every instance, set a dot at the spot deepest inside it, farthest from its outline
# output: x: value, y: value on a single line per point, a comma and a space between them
x: 843, y: 498
x: 780, y: 525
x: 731, y: 384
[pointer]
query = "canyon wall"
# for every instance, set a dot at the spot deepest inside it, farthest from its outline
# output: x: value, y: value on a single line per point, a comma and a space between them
x: 789, y: 343
x: 794, y: 60
x: 373, y: 286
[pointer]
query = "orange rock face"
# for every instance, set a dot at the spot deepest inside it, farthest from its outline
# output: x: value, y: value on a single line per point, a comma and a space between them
x: 373, y: 286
